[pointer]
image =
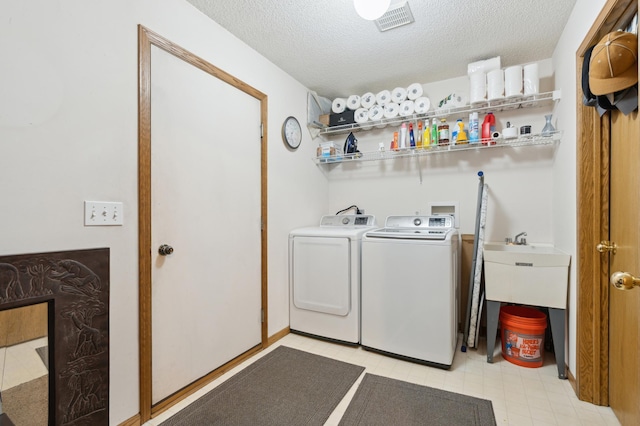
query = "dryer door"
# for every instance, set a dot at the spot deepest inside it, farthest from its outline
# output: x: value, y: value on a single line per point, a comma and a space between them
x: 322, y: 274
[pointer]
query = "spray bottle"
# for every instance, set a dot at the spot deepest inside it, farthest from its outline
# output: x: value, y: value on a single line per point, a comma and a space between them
x: 473, y: 128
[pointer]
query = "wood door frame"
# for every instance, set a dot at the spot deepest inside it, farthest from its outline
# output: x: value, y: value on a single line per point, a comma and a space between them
x: 147, y: 39
x: 593, y: 163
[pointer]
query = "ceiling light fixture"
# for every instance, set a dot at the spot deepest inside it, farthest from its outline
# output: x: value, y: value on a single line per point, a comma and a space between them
x: 371, y: 9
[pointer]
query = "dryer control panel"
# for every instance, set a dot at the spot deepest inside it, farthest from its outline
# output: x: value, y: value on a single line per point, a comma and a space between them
x: 348, y: 220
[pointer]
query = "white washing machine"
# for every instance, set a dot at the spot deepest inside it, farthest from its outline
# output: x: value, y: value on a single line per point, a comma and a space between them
x: 324, y: 277
x: 410, y: 289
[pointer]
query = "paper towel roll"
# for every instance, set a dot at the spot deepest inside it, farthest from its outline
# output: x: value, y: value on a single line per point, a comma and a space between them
x: 478, y: 87
x: 513, y: 81
x: 495, y: 84
x: 391, y: 110
x: 422, y: 105
x: 531, y: 79
x: 414, y: 91
x: 407, y: 108
x: 367, y: 100
x: 383, y: 97
x: 484, y: 66
x: 339, y: 105
x: 353, y: 102
x: 398, y: 95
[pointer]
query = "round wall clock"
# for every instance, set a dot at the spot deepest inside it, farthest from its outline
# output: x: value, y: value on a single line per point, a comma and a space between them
x: 292, y: 132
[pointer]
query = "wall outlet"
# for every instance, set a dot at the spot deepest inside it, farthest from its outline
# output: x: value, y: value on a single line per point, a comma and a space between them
x: 103, y: 213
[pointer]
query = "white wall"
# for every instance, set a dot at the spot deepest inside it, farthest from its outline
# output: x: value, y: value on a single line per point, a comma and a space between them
x: 68, y: 133
x: 564, y: 170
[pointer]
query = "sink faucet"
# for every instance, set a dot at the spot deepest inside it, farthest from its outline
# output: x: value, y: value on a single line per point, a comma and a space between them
x: 517, y: 240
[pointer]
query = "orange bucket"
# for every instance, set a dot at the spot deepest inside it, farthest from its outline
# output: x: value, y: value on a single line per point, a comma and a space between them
x: 522, y: 335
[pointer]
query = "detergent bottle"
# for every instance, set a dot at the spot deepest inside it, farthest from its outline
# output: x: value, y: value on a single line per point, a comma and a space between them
x: 426, y: 137
x: 462, y: 135
x: 412, y: 139
x: 488, y: 126
x: 419, y: 135
x: 434, y: 131
x: 403, y: 136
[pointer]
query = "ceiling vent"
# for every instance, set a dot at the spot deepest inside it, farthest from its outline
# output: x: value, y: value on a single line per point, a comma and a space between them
x: 398, y: 15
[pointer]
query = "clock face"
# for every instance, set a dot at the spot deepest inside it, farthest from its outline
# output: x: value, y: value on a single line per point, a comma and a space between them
x: 292, y: 132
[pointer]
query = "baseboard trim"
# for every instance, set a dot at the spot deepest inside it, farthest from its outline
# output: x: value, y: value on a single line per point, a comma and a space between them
x: 277, y: 336
x: 133, y: 421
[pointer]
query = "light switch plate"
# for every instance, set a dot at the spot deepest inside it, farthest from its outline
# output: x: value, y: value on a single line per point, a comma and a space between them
x: 103, y: 213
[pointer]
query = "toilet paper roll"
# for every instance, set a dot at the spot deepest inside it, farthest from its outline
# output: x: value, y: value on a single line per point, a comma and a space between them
x: 407, y: 108
x: 477, y: 87
x: 353, y: 102
x: 367, y: 100
x: 414, y: 91
x: 495, y: 84
x: 422, y: 105
x: 361, y: 115
x: 383, y: 97
x: 339, y: 105
x: 391, y: 110
x: 531, y: 79
x: 513, y: 81
x: 376, y: 113
x: 399, y: 94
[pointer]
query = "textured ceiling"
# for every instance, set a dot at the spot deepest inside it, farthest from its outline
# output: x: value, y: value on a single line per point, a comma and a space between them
x: 327, y: 47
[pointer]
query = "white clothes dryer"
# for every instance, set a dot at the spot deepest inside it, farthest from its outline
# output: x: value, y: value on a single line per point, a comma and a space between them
x: 410, y: 289
x: 324, y: 278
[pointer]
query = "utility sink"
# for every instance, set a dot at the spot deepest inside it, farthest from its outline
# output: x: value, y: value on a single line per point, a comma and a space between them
x: 532, y: 274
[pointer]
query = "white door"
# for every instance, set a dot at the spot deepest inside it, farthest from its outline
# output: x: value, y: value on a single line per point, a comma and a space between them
x: 205, y: 202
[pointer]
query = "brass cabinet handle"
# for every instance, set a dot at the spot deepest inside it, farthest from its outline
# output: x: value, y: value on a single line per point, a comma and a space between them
x: 624, y: 280
x: 607, y: 246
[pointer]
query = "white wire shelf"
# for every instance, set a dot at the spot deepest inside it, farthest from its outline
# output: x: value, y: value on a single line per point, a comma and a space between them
x: 497, y: 105
x: 525, y: 140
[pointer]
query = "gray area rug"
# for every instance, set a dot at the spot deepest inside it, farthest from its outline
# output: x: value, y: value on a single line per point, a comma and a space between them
x: 27, y: 404
x: 384, y: 401
x: 285, y: 387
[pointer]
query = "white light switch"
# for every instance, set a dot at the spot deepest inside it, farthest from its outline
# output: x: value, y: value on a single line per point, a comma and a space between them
x: 102, y: 213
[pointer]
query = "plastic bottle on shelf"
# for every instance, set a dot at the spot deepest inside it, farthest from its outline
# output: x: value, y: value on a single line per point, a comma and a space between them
x: 426, y: 137
x: 434, y: 132
x: 462, y: 134
x: 443, y: 132
x: 394, y: 142
x: 488, y: 126
x: 473, y: 128
x: 419, y: 135
x: 412, y: 139
x: 403, y: 136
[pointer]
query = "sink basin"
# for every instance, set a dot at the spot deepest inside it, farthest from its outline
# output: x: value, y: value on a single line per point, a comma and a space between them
x: 532, y: 274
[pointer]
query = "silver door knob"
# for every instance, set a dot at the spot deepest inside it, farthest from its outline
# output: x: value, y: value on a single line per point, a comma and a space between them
x: 165, y: 250
x: 624, y: 280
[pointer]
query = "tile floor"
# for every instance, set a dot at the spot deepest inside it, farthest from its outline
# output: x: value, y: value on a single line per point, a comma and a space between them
x: 21, y: 363
x: 521, y: 396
